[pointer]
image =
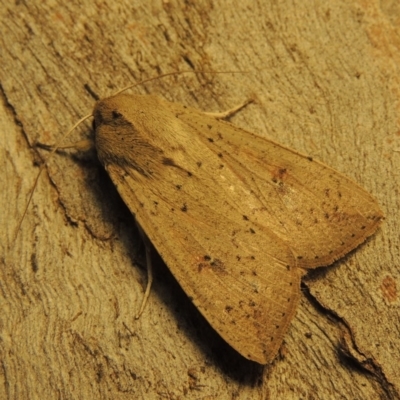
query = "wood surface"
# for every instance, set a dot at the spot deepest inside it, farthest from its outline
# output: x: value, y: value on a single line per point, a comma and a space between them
x: 325, y: 76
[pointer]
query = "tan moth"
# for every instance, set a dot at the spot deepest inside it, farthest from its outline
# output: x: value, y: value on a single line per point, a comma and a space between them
x: 237, y: 218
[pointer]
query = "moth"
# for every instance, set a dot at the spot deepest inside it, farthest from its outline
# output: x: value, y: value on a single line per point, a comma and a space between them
x: 237, y: 218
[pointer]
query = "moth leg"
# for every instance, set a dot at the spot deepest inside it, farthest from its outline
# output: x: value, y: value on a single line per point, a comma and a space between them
x: 227, y: 114
x: 82, y: 145
x: 149, y: 264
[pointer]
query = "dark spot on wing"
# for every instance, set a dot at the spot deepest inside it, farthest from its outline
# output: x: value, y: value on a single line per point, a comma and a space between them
x: 169, y: 161
x: 215, y: 264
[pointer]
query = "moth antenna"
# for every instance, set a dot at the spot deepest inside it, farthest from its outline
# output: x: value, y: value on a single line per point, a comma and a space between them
x: 55, y: 148
x: 176, y: 73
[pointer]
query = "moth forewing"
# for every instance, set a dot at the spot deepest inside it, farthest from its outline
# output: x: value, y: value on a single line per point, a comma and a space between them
x: 233, y: 215
x: 319, y: 212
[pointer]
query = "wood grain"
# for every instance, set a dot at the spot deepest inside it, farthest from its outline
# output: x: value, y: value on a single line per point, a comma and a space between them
x: 326, y: 81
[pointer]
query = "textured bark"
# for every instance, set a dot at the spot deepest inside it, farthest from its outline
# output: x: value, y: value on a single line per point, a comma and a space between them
x: 326, y: 79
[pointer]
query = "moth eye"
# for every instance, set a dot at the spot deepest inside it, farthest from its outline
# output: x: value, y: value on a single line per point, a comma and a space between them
x: 115, y: 114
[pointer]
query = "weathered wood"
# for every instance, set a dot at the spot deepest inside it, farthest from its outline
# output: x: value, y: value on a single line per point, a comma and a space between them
x: 325, y: 77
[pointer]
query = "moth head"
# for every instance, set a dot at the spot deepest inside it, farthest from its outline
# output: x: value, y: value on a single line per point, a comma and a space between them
x: 110, y: 112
